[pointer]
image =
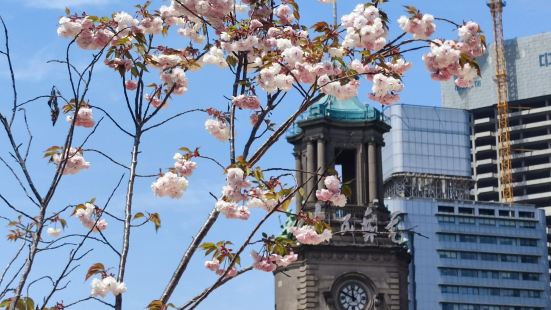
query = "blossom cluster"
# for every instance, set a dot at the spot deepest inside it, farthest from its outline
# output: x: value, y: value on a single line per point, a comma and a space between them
x: 364, y: 28
x: 101, y: 287
x: 443, y: 62
x: 385, y: 89
x: 332, y: 192
x: 74, y: 162
x: 246, y: 102
x: 88, y: 214
x: 421, y: 26
x: 470, y: 40
x: 85, y: 117
x: 218, y: 128
x: 233, y: 194
x: 307, y: 234
x: 54, y: 231
x: 214, y: 265
x: 271, y: 262
x: 173, y: 183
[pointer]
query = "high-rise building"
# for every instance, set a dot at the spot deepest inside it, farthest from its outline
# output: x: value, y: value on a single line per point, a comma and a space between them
x: 529, y: 90
x: 465, y: 254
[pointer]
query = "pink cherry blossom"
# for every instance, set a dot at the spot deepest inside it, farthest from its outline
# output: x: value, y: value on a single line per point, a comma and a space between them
x: 74, y: 163
x: 54, y: 231
x: 84, y: 118
x: 246, y: 102
x: 307, y: 235
x: 466, y: 76
x: 88, y: 216
x: 218, y: 128
x: 332, y: 183
x: 443, y: 59
x: 364, y: 28
x: 170, y: 184
x: 131, y: 85
x: 156, y: 102
x: 176, y: 80
x: 212, y: 265
x: 183, y: 166
x: 421, y: 27
x: 324, y: 194
x: 262, y: 263
x: 151, y: 25
x: 338, y: 200
x: 69, y: 27
x: 470, y: 39
x: 385, y: 89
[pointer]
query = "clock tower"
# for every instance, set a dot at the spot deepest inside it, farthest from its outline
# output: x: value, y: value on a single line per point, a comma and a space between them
x: 363, y: 267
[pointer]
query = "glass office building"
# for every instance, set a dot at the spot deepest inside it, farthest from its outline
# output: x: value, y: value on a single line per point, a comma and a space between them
x: 466, y: 255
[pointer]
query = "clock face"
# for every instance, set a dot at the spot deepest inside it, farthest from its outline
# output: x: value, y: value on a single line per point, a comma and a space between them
x: 352, y: 295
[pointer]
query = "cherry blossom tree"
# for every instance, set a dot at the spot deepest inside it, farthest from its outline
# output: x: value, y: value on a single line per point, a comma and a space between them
x: 269, y: 53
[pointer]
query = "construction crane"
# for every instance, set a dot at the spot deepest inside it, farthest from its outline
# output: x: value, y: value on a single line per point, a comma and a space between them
x: 504, y: 139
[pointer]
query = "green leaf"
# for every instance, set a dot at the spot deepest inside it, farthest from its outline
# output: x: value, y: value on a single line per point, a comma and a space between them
x: 6, y: 303
x: 63, y: 223
x: 346, y: 190
x: 29, y: 303
x: 138, y: 215
x: 185, y: 149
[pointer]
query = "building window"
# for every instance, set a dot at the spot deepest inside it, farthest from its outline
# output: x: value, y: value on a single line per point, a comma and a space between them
x: 451, y: 272
x: 528, y: 276
x: 469, y: 255
x: 488, y: 274
x: 446, y: 237
x: 509, y: 258
x: 526, y: 214
x: 488, y: 257
x: 506, y: 223
x: 488, y: 239
x: 526, y: 224
x: 487, y: 222
x: 507, y: 213
x: 446, y: 209
x: 467, y: 220
x: 448, y: 254
x: 470, y: 273
x: 446, y: 219
x: 466, y: 210
x: 507, y: 241
x: 529, y: 259
x: 505, y: 275
x: 528, y: 242
x: 510, y: 292
x: 487, y: 212
x: 467, y: 238
x: 450, y: 289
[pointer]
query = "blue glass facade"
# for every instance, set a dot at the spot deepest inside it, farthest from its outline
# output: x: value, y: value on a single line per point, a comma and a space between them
x: 466, y: 255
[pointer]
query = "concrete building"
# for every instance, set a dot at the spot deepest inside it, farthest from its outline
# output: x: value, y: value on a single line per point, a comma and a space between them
x: 529, y: 77
x: 466, y: 255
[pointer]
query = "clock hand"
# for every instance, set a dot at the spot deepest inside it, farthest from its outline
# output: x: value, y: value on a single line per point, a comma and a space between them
x: 348, y: 294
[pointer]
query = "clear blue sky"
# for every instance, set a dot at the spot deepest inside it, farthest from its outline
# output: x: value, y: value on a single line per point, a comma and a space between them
x: 32, y: 25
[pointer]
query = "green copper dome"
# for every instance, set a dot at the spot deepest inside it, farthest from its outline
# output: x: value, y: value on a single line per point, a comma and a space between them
x: 329, y: 107
x: 343, y: 110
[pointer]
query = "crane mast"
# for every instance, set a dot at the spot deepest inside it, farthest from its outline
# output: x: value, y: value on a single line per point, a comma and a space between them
x: 504, y: 139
